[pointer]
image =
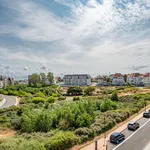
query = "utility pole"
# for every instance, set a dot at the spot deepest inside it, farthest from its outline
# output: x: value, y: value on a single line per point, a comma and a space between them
x: 105, y: 126
x: 145, y: 103
x: 96, y: 147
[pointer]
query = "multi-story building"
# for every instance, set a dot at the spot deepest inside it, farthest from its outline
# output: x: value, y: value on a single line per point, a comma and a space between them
x: 135, y: 79
x: 118, y: 79
x: 3, y: 82
x: 146, y: 79
x: 77, y: 80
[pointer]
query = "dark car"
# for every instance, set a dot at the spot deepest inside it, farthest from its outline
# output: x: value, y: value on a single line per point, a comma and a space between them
x: 133, y: 126
x: 117, y: 137
x: 146, y: 114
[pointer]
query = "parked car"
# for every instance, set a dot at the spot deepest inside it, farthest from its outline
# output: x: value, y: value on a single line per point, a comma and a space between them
x: 117, y: 137
x: 146, y: 114
x: 133, y: 126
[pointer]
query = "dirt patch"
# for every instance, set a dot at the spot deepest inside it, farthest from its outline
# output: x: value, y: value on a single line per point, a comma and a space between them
x: 7, y: 133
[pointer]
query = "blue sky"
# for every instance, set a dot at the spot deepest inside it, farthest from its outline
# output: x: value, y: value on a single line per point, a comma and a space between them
x: 74, y: 36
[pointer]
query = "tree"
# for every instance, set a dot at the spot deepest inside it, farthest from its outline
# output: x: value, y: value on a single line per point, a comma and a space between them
x: 50, y: 77
x: 34, y: 79
x: 125, y: 78
x: 51, y: 99
x: 114, y: 96
x: 108, y: 80
x: 43, y: 75
x: 89, y: 90
x: 74, y: 90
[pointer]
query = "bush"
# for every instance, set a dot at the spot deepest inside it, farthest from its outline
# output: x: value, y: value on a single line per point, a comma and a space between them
x: 84, y: 131
x: 74, y: 91
x: 16, y: 123
x: 76, y: 98
x: 89, y: 90
x: 39, y: 94
x: 51, y: 99
x: 55, y: 95
x: 37, y: 100
x: 108, y: 105
x: 21, y: 144
x: 62, y: 141
x: 61, y: 98
x: 114, y: 96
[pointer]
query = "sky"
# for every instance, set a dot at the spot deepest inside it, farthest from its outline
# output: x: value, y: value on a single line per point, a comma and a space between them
x: 74, y: 36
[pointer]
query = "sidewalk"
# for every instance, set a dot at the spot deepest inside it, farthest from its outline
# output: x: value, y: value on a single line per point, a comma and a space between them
x: 119, y: 128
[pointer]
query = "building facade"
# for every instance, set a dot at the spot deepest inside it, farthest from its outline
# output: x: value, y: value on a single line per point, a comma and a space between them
x: 118, y: 79
x: 146, y: 79
x: 77, y: 80
x: 3, y: 82
x: 135, y: 79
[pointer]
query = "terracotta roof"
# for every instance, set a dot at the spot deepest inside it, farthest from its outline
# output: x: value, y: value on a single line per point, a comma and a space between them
x: 134, y: 75
x: 116, y: 75
x: 147, y: 75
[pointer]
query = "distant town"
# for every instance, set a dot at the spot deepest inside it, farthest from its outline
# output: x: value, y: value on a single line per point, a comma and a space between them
x: 117, y: 79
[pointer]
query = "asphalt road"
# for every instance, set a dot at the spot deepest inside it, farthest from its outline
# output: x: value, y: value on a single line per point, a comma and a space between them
x: 10, y: 101
x: 136, y: 142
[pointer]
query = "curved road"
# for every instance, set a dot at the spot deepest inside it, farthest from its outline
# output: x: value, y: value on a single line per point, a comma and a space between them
x: 10, y: 101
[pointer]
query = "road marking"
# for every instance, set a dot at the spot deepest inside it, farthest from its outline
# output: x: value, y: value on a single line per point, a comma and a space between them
x: 131, y: 135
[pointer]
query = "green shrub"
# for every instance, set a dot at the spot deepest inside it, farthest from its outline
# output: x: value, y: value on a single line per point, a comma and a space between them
x: 76, y: 98
x: 61, y: 98
x: 108, y: 105
x: 74, y: 91
x: 51, y: 99
x: 114, y: 96
x: 89, y: 90
x: 39, y: 94
x: 37, y: 100
x: 55, y: 95
x: 84, y: 131
x: 62, y: 141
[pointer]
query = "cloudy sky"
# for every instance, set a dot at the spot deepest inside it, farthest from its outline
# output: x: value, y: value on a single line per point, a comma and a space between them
x: 74, y: 36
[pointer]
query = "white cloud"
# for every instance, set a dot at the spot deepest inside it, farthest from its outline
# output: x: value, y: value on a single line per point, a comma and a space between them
x: 92, y: 37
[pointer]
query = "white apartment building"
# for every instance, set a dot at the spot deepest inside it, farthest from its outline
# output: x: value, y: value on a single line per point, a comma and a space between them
x: 135, y: 79
x: 146, y: 79
x: 77, y: 80
x: 3, y: 82
x: 118, y: 79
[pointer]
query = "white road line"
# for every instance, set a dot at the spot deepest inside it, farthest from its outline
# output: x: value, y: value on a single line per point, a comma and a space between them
x: 131, y: 135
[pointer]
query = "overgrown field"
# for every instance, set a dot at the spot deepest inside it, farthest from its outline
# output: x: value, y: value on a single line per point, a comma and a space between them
x: 42, y: 125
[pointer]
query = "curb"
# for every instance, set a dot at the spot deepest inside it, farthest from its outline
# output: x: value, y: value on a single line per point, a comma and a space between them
x: 2, y: 102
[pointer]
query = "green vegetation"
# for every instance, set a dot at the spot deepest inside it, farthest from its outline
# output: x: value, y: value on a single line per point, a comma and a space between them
x: 76, y: 90
x: 44, y: 123
x: 114, y: 96
x: 89, y: 90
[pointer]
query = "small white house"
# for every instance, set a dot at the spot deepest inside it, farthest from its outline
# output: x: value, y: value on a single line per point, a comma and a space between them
x: 100, y: 80
x: 118, y: 79
x: 1, y: 84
